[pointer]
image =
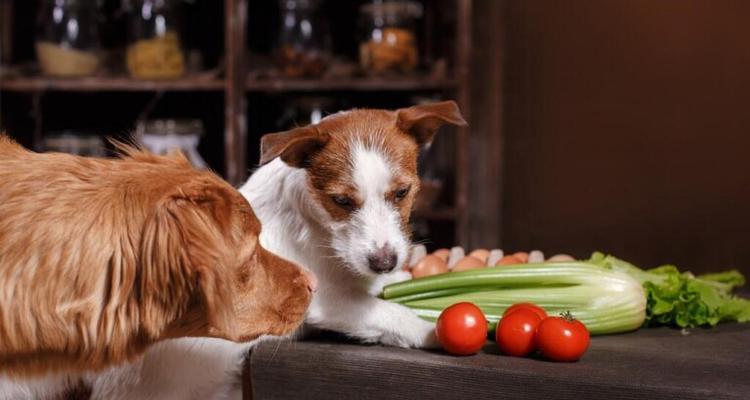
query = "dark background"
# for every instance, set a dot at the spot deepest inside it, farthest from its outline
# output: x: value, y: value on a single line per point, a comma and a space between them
x: 625, y: 128
x: 612, y: 125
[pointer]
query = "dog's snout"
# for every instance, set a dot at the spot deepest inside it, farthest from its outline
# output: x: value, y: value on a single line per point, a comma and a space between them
x: 383, y: 260
x: 312, y: 281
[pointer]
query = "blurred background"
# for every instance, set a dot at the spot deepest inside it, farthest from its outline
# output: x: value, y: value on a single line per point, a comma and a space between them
x: 619, y: 126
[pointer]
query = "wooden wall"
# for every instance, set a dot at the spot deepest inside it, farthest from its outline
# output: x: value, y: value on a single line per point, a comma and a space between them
x: 486, y: 139
x: 626, y: 128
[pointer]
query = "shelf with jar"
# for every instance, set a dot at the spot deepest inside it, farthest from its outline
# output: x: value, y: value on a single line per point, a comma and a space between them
x: 69, y: 54
x: 364, y: 53
x: 118, y: 62
x: 383, y: 53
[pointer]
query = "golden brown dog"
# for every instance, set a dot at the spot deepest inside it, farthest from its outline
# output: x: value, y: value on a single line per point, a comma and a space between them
x: 99, y: 258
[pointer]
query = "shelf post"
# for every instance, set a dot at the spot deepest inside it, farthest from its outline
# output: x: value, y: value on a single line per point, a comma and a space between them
x: 463, y: 97
x: 6, y: 30
x: 235, y: 119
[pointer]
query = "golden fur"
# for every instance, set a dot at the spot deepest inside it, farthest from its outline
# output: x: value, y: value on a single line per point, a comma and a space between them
x: 100, y: 258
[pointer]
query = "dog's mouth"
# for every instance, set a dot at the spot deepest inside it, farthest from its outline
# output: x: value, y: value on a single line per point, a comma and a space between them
x: 284, y: 324
x: 289, y: 327
x: 381, y: 272
x: 293, y: 313
x: 293, y: 331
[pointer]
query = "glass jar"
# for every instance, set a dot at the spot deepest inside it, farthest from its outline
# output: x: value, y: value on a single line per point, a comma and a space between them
x: 77, y: 143
x: 389, y: 40
x: 160, y: 136
x: 154, y: 47
x: 305, y: 110
x: 304, y: 45
x: 67, y: 39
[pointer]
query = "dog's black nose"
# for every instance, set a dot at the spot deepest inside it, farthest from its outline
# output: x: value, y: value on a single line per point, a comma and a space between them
x: 383, y: 260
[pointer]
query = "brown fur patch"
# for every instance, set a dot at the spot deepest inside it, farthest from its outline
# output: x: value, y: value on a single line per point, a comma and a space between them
x: 99, y: 258
x: 324, y: 150
x: 330, y: 169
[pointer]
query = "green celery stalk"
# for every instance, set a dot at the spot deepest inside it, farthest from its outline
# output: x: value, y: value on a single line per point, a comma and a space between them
x: 607, y: 294
x: 605, y: 300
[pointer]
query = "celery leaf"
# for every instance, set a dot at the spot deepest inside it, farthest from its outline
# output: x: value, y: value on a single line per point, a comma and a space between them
x: 681, y: 299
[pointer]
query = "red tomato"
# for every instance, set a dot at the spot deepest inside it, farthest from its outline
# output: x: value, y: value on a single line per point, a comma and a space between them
x: 462, y: 329
x: 562, y: 338
x: 516, y: 332
x: 530, y: 306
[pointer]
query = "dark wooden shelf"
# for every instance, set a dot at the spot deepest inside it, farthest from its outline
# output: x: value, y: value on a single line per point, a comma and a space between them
x: 438, y: 214
x: 115, y: 84
x: 349, y: 84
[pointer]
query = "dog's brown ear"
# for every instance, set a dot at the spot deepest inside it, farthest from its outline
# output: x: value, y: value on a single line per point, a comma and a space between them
x: 186, y: 253
x: 294, y: 146
x: 423, y: 121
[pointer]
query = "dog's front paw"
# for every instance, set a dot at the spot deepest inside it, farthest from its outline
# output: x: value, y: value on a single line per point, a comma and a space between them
x: 384, y: 280
x: 431, y: 341
x: 421, y: 335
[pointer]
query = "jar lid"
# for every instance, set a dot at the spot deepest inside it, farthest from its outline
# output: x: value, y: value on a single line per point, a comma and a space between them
x: 170, y: 127
x: 298, y: 4
x: 410, y: 9
x: 314, y: 102
x: 79, y: 3
x: 66, y: 138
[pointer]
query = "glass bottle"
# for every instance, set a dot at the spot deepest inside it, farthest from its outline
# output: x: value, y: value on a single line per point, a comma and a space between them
x: 303, y: 48
x: 67, y: 40
x: 161, y: 136
x: 154, y: 49
x: 389, y: 41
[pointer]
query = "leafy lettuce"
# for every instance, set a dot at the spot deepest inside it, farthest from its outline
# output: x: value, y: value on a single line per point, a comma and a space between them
x: 681, y: 299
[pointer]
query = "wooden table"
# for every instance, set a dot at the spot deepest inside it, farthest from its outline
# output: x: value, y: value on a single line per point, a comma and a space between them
x: 651, y: 363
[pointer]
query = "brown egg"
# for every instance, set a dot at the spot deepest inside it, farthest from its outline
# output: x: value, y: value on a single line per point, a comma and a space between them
x: 522, y: 255
x: 560, y: 258
x: 480, y: 254
x: 509, y: 260
x: 429, y: 265
x: 468, y: 263
x: 443, y: 254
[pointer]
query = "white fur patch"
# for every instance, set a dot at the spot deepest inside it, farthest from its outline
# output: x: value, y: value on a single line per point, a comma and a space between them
x: 372, y: 173
x: 48, y: 386
x: 377, y: 223
x: 189, y: 368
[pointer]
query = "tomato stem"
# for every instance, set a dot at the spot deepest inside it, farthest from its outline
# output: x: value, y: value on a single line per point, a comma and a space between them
x: 566, y: 315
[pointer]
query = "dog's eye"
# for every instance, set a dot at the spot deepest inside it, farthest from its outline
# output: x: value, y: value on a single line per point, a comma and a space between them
x: 342, y: 201
x: 401, y: 193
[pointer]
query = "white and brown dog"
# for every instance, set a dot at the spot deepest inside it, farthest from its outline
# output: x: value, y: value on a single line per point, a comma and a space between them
x: 336, y: 197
